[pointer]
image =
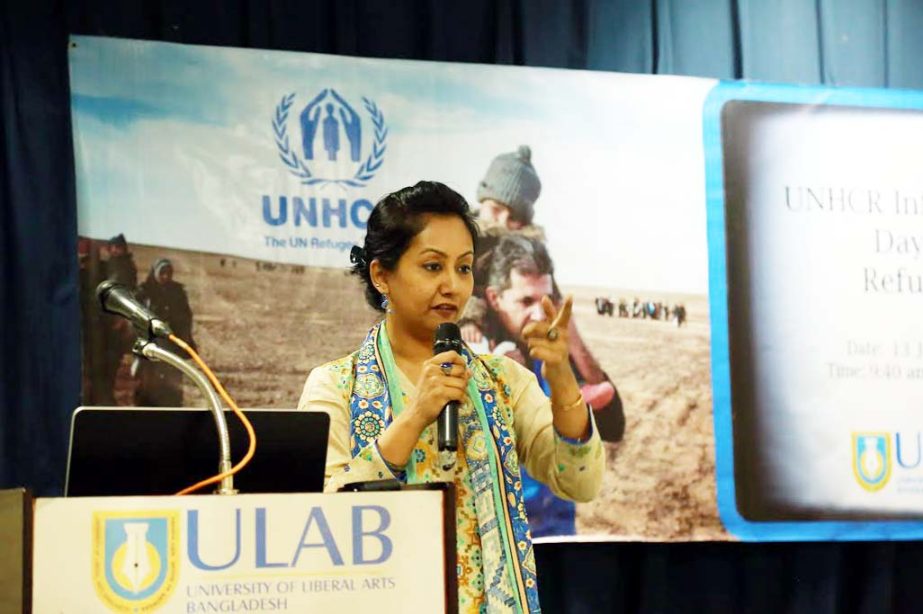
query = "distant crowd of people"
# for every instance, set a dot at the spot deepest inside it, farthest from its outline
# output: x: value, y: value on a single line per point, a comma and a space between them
x: 646, y: 310
x: 108, y: 338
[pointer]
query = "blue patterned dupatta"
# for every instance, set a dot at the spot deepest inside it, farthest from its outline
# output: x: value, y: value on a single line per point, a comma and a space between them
x: 490, y: 450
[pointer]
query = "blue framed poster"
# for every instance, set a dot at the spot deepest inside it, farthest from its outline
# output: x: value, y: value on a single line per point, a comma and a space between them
x: 815, y: 235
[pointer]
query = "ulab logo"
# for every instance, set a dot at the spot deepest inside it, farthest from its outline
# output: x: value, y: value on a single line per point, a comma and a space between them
x: 324, y: 142
x: 871, y: 459
x: 135, y: 559
x: 364, y: 542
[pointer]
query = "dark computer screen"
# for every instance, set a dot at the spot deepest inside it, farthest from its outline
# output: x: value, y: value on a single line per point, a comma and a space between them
x: 159, y: 451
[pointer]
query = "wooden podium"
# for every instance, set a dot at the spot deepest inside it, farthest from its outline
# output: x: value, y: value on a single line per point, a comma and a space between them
x: 15, y: 550
x: 381, y: 551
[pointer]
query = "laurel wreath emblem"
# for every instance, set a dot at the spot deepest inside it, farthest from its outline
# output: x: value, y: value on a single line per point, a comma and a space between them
x: 299, y: 168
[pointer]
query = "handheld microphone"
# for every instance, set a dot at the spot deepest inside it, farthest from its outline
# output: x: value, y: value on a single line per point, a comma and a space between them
x: 118, y: 299
x: 447, y: 338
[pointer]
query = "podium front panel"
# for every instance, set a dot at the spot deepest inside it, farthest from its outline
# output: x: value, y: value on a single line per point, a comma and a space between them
x: 15, y: 532
x: 373, y: 551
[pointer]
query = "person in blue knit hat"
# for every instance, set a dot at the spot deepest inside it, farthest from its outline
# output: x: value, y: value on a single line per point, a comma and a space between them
x: 508, y: 191
x: 507, y: 196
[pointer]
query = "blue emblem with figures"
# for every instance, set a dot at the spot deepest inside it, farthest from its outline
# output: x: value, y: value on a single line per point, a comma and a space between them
x: 330, y: 150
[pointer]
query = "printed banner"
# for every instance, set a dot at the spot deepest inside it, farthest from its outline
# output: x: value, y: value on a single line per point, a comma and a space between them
x: 242, y: 178
x: 247, y: 553
x: 229, y: 185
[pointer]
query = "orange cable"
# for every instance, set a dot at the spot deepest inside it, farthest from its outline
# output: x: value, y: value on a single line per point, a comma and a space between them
x: 227, y: 399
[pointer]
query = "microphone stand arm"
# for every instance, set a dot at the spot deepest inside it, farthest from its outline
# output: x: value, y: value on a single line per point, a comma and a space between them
x: 150, y: 350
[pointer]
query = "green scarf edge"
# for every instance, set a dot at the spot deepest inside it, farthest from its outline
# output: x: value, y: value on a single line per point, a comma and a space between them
x: 397, y: 406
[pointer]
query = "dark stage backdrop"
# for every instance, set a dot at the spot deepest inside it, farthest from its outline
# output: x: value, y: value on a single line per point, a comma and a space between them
x: 833, y: 42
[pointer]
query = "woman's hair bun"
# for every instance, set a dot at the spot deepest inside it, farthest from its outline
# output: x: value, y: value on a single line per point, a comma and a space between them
x: 357, y: 257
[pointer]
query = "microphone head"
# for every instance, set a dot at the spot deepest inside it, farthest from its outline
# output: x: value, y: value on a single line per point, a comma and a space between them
x: 120, y: 300
x: 448, y: 330
x: 447, y: 337
x: 102, y: 291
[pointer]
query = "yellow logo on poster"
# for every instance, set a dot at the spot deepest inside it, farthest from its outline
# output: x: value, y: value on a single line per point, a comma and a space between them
x: 871, y: 459
x: 135, y: 559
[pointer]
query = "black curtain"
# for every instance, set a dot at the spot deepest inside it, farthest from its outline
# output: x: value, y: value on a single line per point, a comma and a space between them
x: 39, y: 319
x: 835, y: 42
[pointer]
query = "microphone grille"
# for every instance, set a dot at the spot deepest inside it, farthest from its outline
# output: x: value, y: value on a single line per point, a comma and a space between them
x: 448, y: 331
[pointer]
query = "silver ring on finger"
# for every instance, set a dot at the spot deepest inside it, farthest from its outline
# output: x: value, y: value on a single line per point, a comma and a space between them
x: 552, y: 334
x: 446, y: 368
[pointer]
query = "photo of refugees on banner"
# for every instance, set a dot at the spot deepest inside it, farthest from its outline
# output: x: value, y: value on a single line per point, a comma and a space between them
x: 111, y: 374
x: 512, y: 273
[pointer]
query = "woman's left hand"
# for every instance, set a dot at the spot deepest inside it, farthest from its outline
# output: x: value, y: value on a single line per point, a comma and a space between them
x: 547, y: 341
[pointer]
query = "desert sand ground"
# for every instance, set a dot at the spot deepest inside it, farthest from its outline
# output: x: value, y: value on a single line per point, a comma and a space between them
x: 262, y: 331
x: 660, y: 479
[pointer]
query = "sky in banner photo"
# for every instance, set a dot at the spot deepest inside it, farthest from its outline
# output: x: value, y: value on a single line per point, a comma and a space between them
x: 168, y: 132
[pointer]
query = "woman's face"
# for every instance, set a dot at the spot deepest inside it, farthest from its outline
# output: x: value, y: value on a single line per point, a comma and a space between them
x: 433, y: 279
x: 165, y: 275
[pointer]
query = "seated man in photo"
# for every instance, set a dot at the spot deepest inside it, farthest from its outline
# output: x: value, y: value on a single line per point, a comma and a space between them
x: 507, y: 194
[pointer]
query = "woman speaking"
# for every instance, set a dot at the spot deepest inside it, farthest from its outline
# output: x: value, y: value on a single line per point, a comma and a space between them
x: 384, y: 398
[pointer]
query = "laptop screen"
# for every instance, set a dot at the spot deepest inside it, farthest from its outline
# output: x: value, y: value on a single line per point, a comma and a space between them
x: 159, y: 451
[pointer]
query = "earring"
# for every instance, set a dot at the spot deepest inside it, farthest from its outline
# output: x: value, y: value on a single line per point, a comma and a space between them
x: 385, y: 303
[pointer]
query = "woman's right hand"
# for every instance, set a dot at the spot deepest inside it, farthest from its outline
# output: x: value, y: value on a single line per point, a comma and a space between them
x: 437, y: 387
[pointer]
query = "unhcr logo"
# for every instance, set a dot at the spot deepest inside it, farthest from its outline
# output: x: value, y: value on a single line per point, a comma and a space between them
x: 332, y: 140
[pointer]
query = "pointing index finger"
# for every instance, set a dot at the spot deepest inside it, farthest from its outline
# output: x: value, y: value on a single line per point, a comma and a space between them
x: 563, y: 318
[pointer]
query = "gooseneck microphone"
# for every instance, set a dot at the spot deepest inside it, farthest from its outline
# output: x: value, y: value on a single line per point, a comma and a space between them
x: 448, y: 338
x: 119, y: 299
